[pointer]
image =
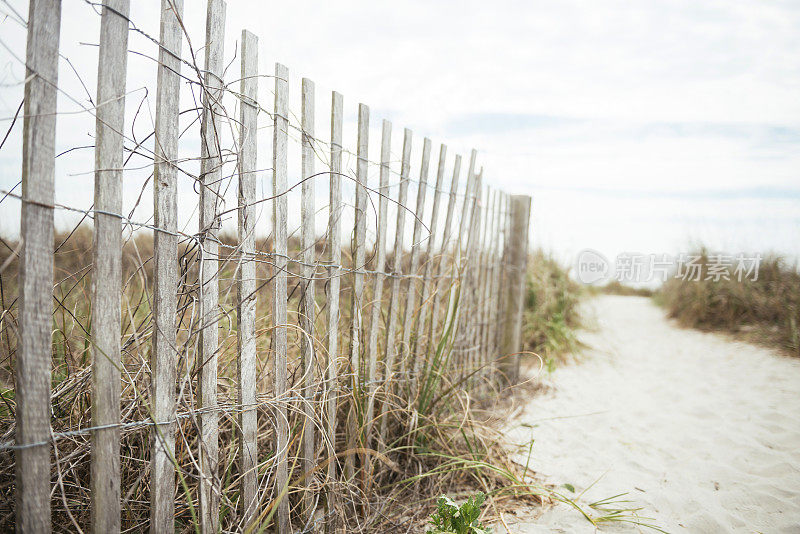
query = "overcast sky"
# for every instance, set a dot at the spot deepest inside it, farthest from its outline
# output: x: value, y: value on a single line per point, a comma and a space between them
x: 636, y: 126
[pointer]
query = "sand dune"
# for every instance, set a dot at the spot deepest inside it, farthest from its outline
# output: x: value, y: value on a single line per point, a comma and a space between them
x: 703, y: 432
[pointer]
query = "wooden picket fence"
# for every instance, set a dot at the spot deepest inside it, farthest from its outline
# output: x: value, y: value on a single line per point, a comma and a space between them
x: 462, y: 270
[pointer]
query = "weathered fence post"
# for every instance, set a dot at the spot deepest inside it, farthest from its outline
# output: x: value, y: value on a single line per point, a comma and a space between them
x: 36, y: 268
x: 466, y: 218
x: 210, y: 178
x: 460, y: 266
x: 334, y: 273
x: 468, y: 295
x: 391, y: 348
x: 380, y: 265
x: 494, y: 282
x: 517, y: 260
x: 419, y: 358
x: 107, y: 263
x: 411, y: 296
x: 280, y: 211
x: 483, y: 285
x: 307, y: 304
x: 163, y: 359
x: 431, y: 341
x: 358, y: 243
x: 246, y: 282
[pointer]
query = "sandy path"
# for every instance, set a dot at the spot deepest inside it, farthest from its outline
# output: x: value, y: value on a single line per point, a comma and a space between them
x: 704, y: 432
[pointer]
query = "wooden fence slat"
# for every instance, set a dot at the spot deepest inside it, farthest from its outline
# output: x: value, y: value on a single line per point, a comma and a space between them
x: 210, y: 178
x: 279, y: 290
x: 494, y: 286
x: 408, y: 366
x: 359, y: 239
x: 459, y: 264
x: 480, y: 286
x: 476, y: 276
x: 380, y: 265
x: 391, y: 348
x: 419, y: 358
x: 334, y: 284
x: 106, y: 322
x: 486, y: 283
x: 505, y: 223
x: 469, y: 194
x: 483, y: 285
x: 36, y: 268
x: 307, y: 304
x: 451, y: 206
x: 163, y: 359
x: 470, y: 279
x: 246, y: 278
x: 440, y: 260
x: 517, y: 259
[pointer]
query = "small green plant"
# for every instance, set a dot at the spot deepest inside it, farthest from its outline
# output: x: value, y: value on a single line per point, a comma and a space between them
x: 451, y: 518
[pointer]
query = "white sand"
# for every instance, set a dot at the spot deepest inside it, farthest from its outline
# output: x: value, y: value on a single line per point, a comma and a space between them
x: 702, y: 431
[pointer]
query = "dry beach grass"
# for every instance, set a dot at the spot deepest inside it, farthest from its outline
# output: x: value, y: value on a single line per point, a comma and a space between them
x: 765, y: 310
x: 446, y: 439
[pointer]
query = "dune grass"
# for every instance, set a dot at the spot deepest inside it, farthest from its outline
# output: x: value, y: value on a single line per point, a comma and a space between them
x: 765, y: 310
x: 552, y: 315
x: 447, y: 436
x: 443, y: 436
